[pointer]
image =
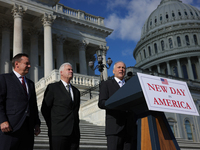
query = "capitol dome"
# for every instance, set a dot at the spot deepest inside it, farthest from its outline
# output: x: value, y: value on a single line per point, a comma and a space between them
x: 170, y: 41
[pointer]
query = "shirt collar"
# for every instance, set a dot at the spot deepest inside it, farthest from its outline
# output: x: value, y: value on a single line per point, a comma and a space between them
x: 117, y: 79
x: 17, y: 74
x: 65, y: 84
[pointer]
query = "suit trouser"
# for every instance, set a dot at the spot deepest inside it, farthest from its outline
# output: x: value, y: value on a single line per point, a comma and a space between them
x: 22, y: 139
x: 65, y: 142
x: 121, y: 142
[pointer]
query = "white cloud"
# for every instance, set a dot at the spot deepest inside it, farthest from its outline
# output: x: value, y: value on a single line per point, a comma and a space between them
x: 127, y: 52
x: 129, y: 27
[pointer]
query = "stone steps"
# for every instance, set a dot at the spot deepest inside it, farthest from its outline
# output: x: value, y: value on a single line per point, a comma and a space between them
x: 92, y: 137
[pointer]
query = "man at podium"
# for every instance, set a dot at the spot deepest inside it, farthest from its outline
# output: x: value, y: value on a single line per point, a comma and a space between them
x: 121, y: 131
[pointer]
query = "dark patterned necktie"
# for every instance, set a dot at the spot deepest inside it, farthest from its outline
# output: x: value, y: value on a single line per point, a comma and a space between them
x: 24, y: 85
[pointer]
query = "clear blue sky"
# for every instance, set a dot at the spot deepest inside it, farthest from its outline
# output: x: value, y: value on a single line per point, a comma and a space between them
x: 126, y: 17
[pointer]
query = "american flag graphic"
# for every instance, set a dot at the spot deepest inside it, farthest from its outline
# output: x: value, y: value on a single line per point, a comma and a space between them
x: 164, y: 81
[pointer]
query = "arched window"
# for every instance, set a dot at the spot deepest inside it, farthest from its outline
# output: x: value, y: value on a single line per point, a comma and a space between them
x: 179, y: 41
x: 144, y: 53
x: 173, y: 15
x: 195, y: 39
x: 194, y: 70
x: 184, y: 70
x: 160, y: 18
x: 187, y: 40
x: 170, y: 43
x: 149, y: 48
x: 175, y: 71
x: 179, y: 13
x: 155, y: 48
x: 188, y: 130
x: 166, y: 16
x: 162, y: 45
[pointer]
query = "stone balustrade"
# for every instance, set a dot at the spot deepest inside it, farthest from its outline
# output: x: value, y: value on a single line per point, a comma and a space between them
x: 79, y: 14
x: 78, y: 79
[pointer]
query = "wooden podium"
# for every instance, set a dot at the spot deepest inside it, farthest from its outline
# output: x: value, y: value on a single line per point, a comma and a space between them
x: 153, y: 130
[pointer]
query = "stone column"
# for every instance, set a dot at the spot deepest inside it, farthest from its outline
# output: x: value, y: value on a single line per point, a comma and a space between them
x: 82, y: 57
x: 18, y: 12
x: 158, y: 68
x: 59, y: 50
x: 34, y: 54
x: 5, y: 47
x: 190, y: 72
x: 168, y: 69
x: 179, y: 68
x: 47, y: 21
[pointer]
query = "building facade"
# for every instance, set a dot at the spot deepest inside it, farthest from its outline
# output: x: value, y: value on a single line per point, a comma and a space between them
x: 51, y: 34
x: 170, y: 47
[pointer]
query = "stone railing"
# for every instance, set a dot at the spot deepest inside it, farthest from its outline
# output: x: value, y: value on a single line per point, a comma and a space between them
x: 79, y: 14
x: 78, y: 79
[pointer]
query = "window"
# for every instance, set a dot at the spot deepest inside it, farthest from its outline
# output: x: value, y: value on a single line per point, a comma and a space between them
x: 175, y: 71
x: 185, y: 13
x: 179, y: 41
x: 39, y: 60
x: 170, y: 43
x: 144, y: 53
x: 150, y: 23
x: 194, y: 70
x: 173, y: 15
x: 179, y: 13
x: 55, y: 63
x: 196, y: 14
x: 77, y: 68
x: 187, y: 40
x: 184, y: 70
x: 191, y: 13
x: 188, y: 130
x: 155, y: 20
x: 172, y: 128
x: 160, y: 18
x: 166, y: 71
x: 149, y: 48
x: 195, y: 39
x: 155, y: 48
x: 166, y: 16
x: 162, y: 45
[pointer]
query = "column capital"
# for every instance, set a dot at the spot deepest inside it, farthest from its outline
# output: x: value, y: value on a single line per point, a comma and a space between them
x: 18, y: 11
x: 48, y: 19
x: 83, y: 44
x: 5, y: 24
x: 60, y: 39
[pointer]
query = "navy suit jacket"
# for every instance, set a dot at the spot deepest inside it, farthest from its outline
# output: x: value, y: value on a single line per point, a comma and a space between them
x: 15, y: 104
x: 59, y: 111
x: 116, y: 121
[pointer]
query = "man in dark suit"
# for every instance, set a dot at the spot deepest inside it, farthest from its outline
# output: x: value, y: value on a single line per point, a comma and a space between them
x: 120, y: 125
x: 60, y: 110
x: 18, y: 107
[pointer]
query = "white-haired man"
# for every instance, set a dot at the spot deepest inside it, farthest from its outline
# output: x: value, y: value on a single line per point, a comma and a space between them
x: 60, y: 110
x: 120, y: 125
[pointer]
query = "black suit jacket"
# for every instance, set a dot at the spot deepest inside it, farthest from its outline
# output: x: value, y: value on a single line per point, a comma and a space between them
x: 117, y: 121
x: 14, y: 103
x: 59, y: 111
